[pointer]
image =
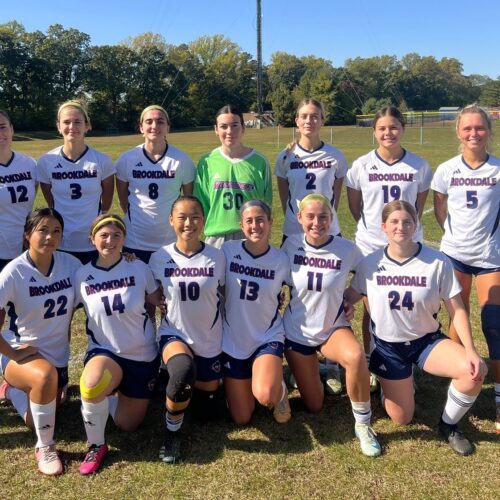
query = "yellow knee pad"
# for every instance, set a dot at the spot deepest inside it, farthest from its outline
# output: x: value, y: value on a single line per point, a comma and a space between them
x: 98, y: 389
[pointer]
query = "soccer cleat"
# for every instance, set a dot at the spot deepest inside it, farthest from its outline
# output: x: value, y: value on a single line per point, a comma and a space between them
x: 458, y: 442
x: 170, y: 452
x: 497, y: 423
x: 282, y: 412
x: 292, y: 382
x: 48, y: 460
x: 93, y: 459
x: 368, y: 440
x: 4, y: 387
x: 333, y: 382
x: 373, y: 383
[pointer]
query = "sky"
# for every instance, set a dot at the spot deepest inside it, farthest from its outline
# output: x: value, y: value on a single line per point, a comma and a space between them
x: 333, y: 29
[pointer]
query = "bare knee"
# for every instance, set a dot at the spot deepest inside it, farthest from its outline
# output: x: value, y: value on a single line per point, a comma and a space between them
x: 240, y: 417
x: 399, y: 416
x: 353, y: 358
x: 126, y: 425
x: 45, y: 376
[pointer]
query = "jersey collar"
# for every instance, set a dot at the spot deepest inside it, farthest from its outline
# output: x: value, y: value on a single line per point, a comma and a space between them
x: 30, y: 260
x: 394, y: 162
x: 317, y: 247
x: 77, y: 159
x: 94, y: 264
x: 419, y: 249
x: 477, y: 168
x: 192, y: 255
x: 310, y: 151
x: 9, y: 162
x: 251, y: 254
x: 151, y: 159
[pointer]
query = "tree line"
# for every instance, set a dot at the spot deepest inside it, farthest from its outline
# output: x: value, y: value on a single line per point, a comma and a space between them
x: 40, y: 70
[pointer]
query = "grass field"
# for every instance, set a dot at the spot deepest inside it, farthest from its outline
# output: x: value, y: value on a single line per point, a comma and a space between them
x: 312, y: 456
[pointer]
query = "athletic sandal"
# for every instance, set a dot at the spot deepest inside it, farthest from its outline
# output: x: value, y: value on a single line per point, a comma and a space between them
x: 170, y: 452
x: 93, y: 459
x: 333, y: 382
x: 368, y: 440
x: 282, y: 412
x: 497, y: 423
x: 4, y: 387
x: 458, y: 442
x: 48, y: 460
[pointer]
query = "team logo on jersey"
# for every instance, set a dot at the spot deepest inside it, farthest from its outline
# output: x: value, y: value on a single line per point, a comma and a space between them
x: 237, y: 257
x: 380, y: 269
x: 58, y: 166
x: 227, y: 365
x: 171, y: 261
x: 374, y: 167
x: 139, y: 164
x: 457, y: 171
x: 300, y: 249
x: 382, y: 367
x: 32, y: 280
x: 89, y: 278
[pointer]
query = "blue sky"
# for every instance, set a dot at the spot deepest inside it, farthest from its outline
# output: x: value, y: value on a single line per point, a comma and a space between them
x: 333, y: 29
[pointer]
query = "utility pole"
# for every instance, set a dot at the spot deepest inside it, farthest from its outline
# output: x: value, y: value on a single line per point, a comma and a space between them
x: 260, y: 109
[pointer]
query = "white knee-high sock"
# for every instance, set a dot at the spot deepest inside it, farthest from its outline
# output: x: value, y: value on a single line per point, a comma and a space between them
x: 44, y: 419
x: 95, y: 416
x: 362, y: 412
x: 113, y: 404
x: 457, y: 405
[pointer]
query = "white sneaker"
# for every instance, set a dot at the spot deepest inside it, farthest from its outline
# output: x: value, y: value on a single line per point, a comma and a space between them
x: 367, y: 440
x: 48, y: 460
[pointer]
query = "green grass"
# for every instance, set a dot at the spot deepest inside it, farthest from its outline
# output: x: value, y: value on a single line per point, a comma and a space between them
x: 312, y: 456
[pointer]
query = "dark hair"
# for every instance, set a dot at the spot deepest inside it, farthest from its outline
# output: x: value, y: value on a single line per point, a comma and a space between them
x: 6, y: 116
x: 395, y: 205
x: 257, y: 203
x: 390, y: 111
x: 230, y: 109
x: 187, y: 197
x: 34, y: 218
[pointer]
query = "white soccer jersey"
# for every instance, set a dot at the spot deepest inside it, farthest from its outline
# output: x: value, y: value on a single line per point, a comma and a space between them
x: 381, y: 183
x: 190, y: 285
x: 39, y: 308
x: 471, y: 233
x: 114, y: 302
x: 17, y: 193
x: 153, y: 187
x: 253, y: 288
x: 76, y: 189
x: 307, y: 173
x: 318, y: 276
x: 404, y: 297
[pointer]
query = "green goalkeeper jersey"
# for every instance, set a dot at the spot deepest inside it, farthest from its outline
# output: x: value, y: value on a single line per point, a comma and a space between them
x: 223, y: 184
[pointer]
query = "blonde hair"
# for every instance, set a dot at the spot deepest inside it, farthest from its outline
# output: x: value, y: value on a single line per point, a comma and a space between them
x: 154, y: 107
x: 315, y: 197
x: 77, y: 105
x: 476, y: 108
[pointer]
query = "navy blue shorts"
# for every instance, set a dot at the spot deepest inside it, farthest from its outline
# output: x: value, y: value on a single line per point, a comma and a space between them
x: 139, y: 377
x: 207, y: 369
x: 306, y: 350
x: 143, y: 255
x: 474, y: 270
x: 242, y: 368
x: 394, y: 360
x: 3, y: 263
x: 84, y: 257
x: 62, y: 372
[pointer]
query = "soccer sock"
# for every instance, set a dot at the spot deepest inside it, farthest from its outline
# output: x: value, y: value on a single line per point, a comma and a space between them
x: 113, y: 403
x: 95, y: 416
x: 19, y: 400
x: 497, y: 393
x: 456, y: 406
x: 362, y: 412
x: 44, y: 418
x: 284, y: 391
x: 173, y: 422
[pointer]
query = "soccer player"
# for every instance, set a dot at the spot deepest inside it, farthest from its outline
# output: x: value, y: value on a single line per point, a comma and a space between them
x: 37, y: 290
x: 253, y: 335
x: 149, y: 178
x: 387, y: 173
x: 405, y: 283
x: 308, y: 166
x: 17, y: 192
x: 229, y: 176
x: 191, y: 274
x: 467, y: 206
x: 320, y: 265
x: 76, y: 179
x: 122, y: 355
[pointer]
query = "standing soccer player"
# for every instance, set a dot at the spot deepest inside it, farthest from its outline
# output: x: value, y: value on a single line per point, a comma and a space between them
x: 77, y: 180
x: 229, y: 176
x: 190, y: 336
x: 467, y: 206
x: 17, y: 192
x: 405, y: 283
x: 387, y: 173
x: 149, y: 178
